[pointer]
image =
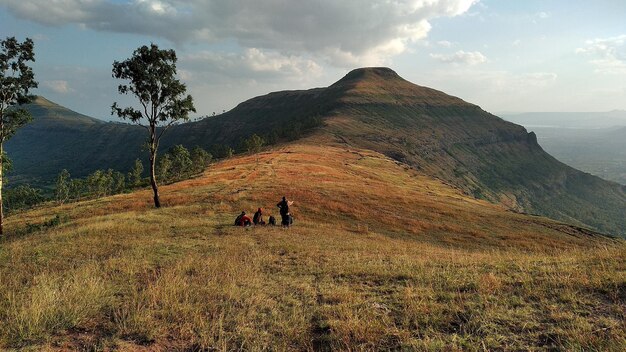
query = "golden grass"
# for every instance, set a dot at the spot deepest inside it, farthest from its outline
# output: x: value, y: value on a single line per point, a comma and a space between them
x: 448, y: 273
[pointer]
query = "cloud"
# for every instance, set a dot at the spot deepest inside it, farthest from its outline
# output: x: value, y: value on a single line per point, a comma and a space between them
x: 58, y: 86
x: 342, y: 32
x: 609, y: 53
x: 253, y: 63
x: 461, y: 57
x: 445, y: 43
x: 500, y: 90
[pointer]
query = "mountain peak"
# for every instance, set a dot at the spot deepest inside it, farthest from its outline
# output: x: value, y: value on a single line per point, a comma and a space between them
x: 369, y: 73
x: 383, y: 85
x: 39, y: 100
x: 45, y: 109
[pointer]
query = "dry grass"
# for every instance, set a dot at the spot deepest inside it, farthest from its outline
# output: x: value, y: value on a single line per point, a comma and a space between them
x: 448, y: 273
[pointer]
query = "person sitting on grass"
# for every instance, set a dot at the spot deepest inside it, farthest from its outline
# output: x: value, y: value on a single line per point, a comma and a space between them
x: 243, y: 220
x: 272, y: 220
x: 258, y: 217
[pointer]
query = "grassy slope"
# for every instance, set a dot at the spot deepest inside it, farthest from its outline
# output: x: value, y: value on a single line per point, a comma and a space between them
x: 480, y: 153
x: 447, y: 273
x: 371, y: 108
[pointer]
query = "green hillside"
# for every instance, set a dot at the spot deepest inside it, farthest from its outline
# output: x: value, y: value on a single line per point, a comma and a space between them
x: 478, y: 152
x: 372, y: 108
x: 59, y: 138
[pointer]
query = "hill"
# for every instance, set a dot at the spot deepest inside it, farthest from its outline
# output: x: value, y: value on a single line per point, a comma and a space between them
x: 59, y: 138
x: 374, y: 108
x: 478, y: 152
x: 381, y: 257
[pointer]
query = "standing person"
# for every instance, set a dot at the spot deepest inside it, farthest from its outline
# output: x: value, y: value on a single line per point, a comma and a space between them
x: 258, y: 217
x: 283, y: 205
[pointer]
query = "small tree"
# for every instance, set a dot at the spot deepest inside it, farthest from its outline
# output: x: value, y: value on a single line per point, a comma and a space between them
x: 152, y: 76
x: 96, y: 183
x: 77, y: 188
x: 200, y: 158
x: 221, y: 151
x: 134, y: 176
x: 16, y: 80
x: 119, y: 182
x: 62, y: 190
x: 164, y: 167
x: 22, y: 197
x: 254, y: 144
x: 181, y: 162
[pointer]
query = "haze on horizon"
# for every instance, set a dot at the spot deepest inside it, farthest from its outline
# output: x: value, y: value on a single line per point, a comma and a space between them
x: 504, y: 56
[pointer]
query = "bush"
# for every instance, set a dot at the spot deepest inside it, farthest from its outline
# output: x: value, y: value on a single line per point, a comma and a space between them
x: 22, y: 197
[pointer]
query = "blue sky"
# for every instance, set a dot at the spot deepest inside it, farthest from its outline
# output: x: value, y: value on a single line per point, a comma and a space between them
x: 506, y: 56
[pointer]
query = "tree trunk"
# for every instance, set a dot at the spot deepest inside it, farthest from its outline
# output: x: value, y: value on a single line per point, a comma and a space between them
x: 153, y: 183
x: 153, y: 153
x: 1, y: 205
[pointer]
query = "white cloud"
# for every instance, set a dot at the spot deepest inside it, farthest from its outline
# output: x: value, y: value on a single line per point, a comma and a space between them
x: 500, y: 90
x: 346, y: 32
x: 609, y: 54
x: 461, y: 57
x: 253, y: 63
x: 58, y: 86
x: 445, y: 43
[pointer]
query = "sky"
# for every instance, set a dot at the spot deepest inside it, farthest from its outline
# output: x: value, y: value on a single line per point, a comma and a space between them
x: 506, y: 56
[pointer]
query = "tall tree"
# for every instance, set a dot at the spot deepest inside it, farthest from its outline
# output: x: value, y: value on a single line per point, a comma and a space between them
x: 151, y: 73
x: 16, y: 80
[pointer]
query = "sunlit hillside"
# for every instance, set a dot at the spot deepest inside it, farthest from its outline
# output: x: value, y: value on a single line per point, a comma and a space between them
x: 380, y: 257
x: 370, y: 108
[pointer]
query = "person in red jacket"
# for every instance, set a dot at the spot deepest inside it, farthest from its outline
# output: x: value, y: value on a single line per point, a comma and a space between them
x: 243, y: 220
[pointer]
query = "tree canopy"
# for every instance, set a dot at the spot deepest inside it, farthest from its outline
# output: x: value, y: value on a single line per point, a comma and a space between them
x: 16, y: 80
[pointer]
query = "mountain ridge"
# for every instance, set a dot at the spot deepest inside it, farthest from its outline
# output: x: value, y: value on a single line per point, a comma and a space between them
x: 439, y: 135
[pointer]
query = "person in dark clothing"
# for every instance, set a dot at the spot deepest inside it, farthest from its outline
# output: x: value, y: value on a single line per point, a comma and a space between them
x: 238, y: 218
x: 283, y: 205
x: 258, y: 217
x: 271, y: 221
x: 243, y: 220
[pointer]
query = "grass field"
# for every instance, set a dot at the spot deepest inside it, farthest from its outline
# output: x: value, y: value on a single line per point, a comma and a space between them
x: 380, y: 258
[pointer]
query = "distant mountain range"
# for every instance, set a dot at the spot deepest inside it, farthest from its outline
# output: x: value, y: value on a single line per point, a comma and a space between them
x: 373, y: 108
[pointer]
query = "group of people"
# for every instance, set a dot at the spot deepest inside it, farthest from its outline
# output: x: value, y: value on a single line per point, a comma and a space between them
x: 286, y: 219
